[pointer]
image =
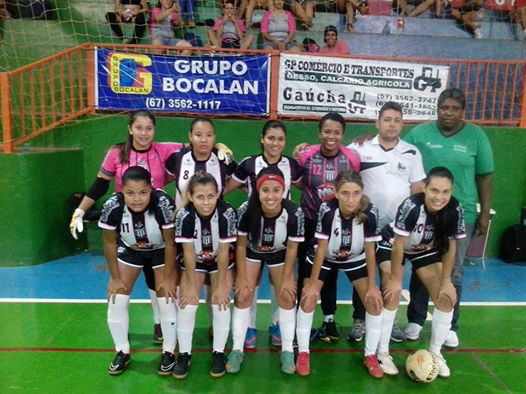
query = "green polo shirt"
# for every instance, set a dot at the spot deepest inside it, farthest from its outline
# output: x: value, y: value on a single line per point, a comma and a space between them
x: 466, y: 154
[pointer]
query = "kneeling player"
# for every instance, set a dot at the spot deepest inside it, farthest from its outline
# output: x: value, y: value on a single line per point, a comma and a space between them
x: 138, y: 230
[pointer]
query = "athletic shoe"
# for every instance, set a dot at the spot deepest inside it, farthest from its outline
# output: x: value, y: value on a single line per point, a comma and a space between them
x: 357, y: 331
x: 157, y: 334
x: 387, y: 364
x: 181, y: 366
x: 397, y: 335
x: 443, y: 369
x: 287, y: 363
x: 451, y: 339
x: 303, y: 364
x: 412, y: 331
x: 275, y: 335
x: 250, y: 338
x: 218, y: 364
x: 119, y: 363
x: 167, y: 364
x: 374, y: 369
x: 331, y: 331
x: 235, y: 359
x: 478, y: 34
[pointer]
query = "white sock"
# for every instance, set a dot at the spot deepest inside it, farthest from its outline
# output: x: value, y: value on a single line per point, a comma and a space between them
x: 185, y: 327
x: 254, y: 308
x: 240, y: 319
x: 118, y: 320
x: 221, y: 327
x: 328, y: 318
x: 208, y: 298
x: 373, y: 330
x: 440, y: 326
x: 274, y: 305
x: 303, y: 327
x: 287, y: 319
x: 155, y: 306
x: 168, y: 324
x: 388, y: 318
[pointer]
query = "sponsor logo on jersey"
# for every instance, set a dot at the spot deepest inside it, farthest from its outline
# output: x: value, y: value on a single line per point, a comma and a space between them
x: 127, y: 74
x: 108, y: 207
x: 181, y: 215
x: 230, y: 216
x: 460, y: 148
x: 300, y: 220
x: 326, y: 191
x: 167, y: 209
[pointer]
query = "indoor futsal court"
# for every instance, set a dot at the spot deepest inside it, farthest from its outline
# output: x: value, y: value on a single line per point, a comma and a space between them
x: 71, y: 73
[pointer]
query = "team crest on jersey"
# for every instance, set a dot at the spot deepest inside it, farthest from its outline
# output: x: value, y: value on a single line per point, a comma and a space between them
x: 326, y: 191
x: 108, y: 207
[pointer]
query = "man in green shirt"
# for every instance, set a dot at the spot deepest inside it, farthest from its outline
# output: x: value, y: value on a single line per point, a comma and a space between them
x: 465, y: 150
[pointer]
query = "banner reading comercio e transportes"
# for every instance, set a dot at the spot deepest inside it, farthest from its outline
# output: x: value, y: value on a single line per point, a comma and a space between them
x: 213, y: 85
x: 315, y: 85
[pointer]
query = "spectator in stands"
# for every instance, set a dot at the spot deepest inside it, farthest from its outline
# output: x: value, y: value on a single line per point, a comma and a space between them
x: 187, y: 12
x: 279, y: 28
x: 332, y: 44
x: 129, y: 11
x: 467, y: 12
x: 418, y: 6
x: 520, y: 14
x: 229, y: 31
x: 165, y: 17
x: 252, y: 5
x: 350, y: 7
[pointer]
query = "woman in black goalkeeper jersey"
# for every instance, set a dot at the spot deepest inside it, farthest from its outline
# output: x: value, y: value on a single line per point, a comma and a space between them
x: 425, y: 232
x: 138, y: 231
x: 206, y: 227
x: 269, y: 231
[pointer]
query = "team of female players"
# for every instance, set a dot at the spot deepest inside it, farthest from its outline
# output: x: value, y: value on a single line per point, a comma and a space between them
x: 227, y: 248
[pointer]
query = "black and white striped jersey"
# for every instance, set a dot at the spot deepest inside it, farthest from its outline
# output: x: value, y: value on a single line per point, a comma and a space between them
x: 346, y: 236
x: 414, y: 221
x: 140, y: 231
x: 183, y: 165
x: 206, y: 233
x: 274, y: 232
x: 249, y: 168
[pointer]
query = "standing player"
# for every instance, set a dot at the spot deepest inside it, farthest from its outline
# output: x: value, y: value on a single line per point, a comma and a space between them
x: 138, y: 231
x: 425, y: 231
x: 199, y: 156
x: 346, y: 234
x: 206, y: 228
x: 463, y: 149
x: 270, y: 228
x: 386, y: 161
x: 138, y: 150
x: 321, y: 165
x: 273, y: 139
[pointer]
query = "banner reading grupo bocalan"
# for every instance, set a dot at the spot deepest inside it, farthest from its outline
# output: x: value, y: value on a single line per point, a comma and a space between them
x: 229, y: 85
x: 315, y: 85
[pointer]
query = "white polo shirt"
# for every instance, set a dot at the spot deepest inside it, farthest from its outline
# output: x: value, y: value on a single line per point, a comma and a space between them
x: 388, y: 174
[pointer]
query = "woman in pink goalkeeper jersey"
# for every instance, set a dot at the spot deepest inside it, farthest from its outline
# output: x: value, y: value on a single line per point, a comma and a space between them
x: 321, y: 165
x: 138, y: 150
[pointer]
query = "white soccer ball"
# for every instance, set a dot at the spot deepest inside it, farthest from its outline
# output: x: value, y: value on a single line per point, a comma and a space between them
x: 422, y: 366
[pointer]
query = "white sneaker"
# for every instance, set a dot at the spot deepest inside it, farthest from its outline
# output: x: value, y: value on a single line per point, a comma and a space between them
x: 412, y: 331
x: 478, y: 34
x: 451, y: 339
x: 443, y: 369
x: 387, y: 364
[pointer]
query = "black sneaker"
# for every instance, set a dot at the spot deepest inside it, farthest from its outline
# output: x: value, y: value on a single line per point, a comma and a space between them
x: 157, y: 334
x: 181, y: 366
x: 218, y: 364
x: 167, y: 363
x: 330, y: 331
x: 119, y: 363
